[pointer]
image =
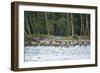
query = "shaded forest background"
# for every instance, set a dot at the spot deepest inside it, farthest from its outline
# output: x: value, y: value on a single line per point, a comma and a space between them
x: 46, y: 24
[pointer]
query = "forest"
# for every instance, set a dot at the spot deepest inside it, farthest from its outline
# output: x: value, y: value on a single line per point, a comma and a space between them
x: 55, y: 25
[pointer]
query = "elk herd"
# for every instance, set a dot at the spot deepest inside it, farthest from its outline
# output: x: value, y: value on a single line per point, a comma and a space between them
x: 66, y: 43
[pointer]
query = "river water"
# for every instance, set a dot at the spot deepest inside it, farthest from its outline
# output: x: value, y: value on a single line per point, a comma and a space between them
x: 50, y: 53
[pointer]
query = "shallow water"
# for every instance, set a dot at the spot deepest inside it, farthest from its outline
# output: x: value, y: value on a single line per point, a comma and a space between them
x: 47, y: 53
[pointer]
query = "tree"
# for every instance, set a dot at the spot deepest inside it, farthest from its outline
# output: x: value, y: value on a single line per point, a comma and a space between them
x: 81, y: 32
x: 72, y: 24
x: 27, y: 25
x: 68, y: 23
x: 46, y: 18
x: 87, y: 24
x: 30, y: 16
x: 56, y: 24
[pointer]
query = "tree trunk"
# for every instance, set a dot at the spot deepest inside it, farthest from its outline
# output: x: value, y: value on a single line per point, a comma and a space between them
x: 47, y: 23
x: 28, y: 27
x: 72, y: 25
x: 83, y: 26
x: 61, y: 31
x: 31, y: 23
x: 87, y: 25
x: 81, y: 32
x: 68, y: 24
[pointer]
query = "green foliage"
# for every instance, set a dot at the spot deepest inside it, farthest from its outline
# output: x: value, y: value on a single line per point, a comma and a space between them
x: 56, y: 24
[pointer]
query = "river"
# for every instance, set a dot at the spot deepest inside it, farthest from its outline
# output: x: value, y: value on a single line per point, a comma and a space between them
x: 50, y: 53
